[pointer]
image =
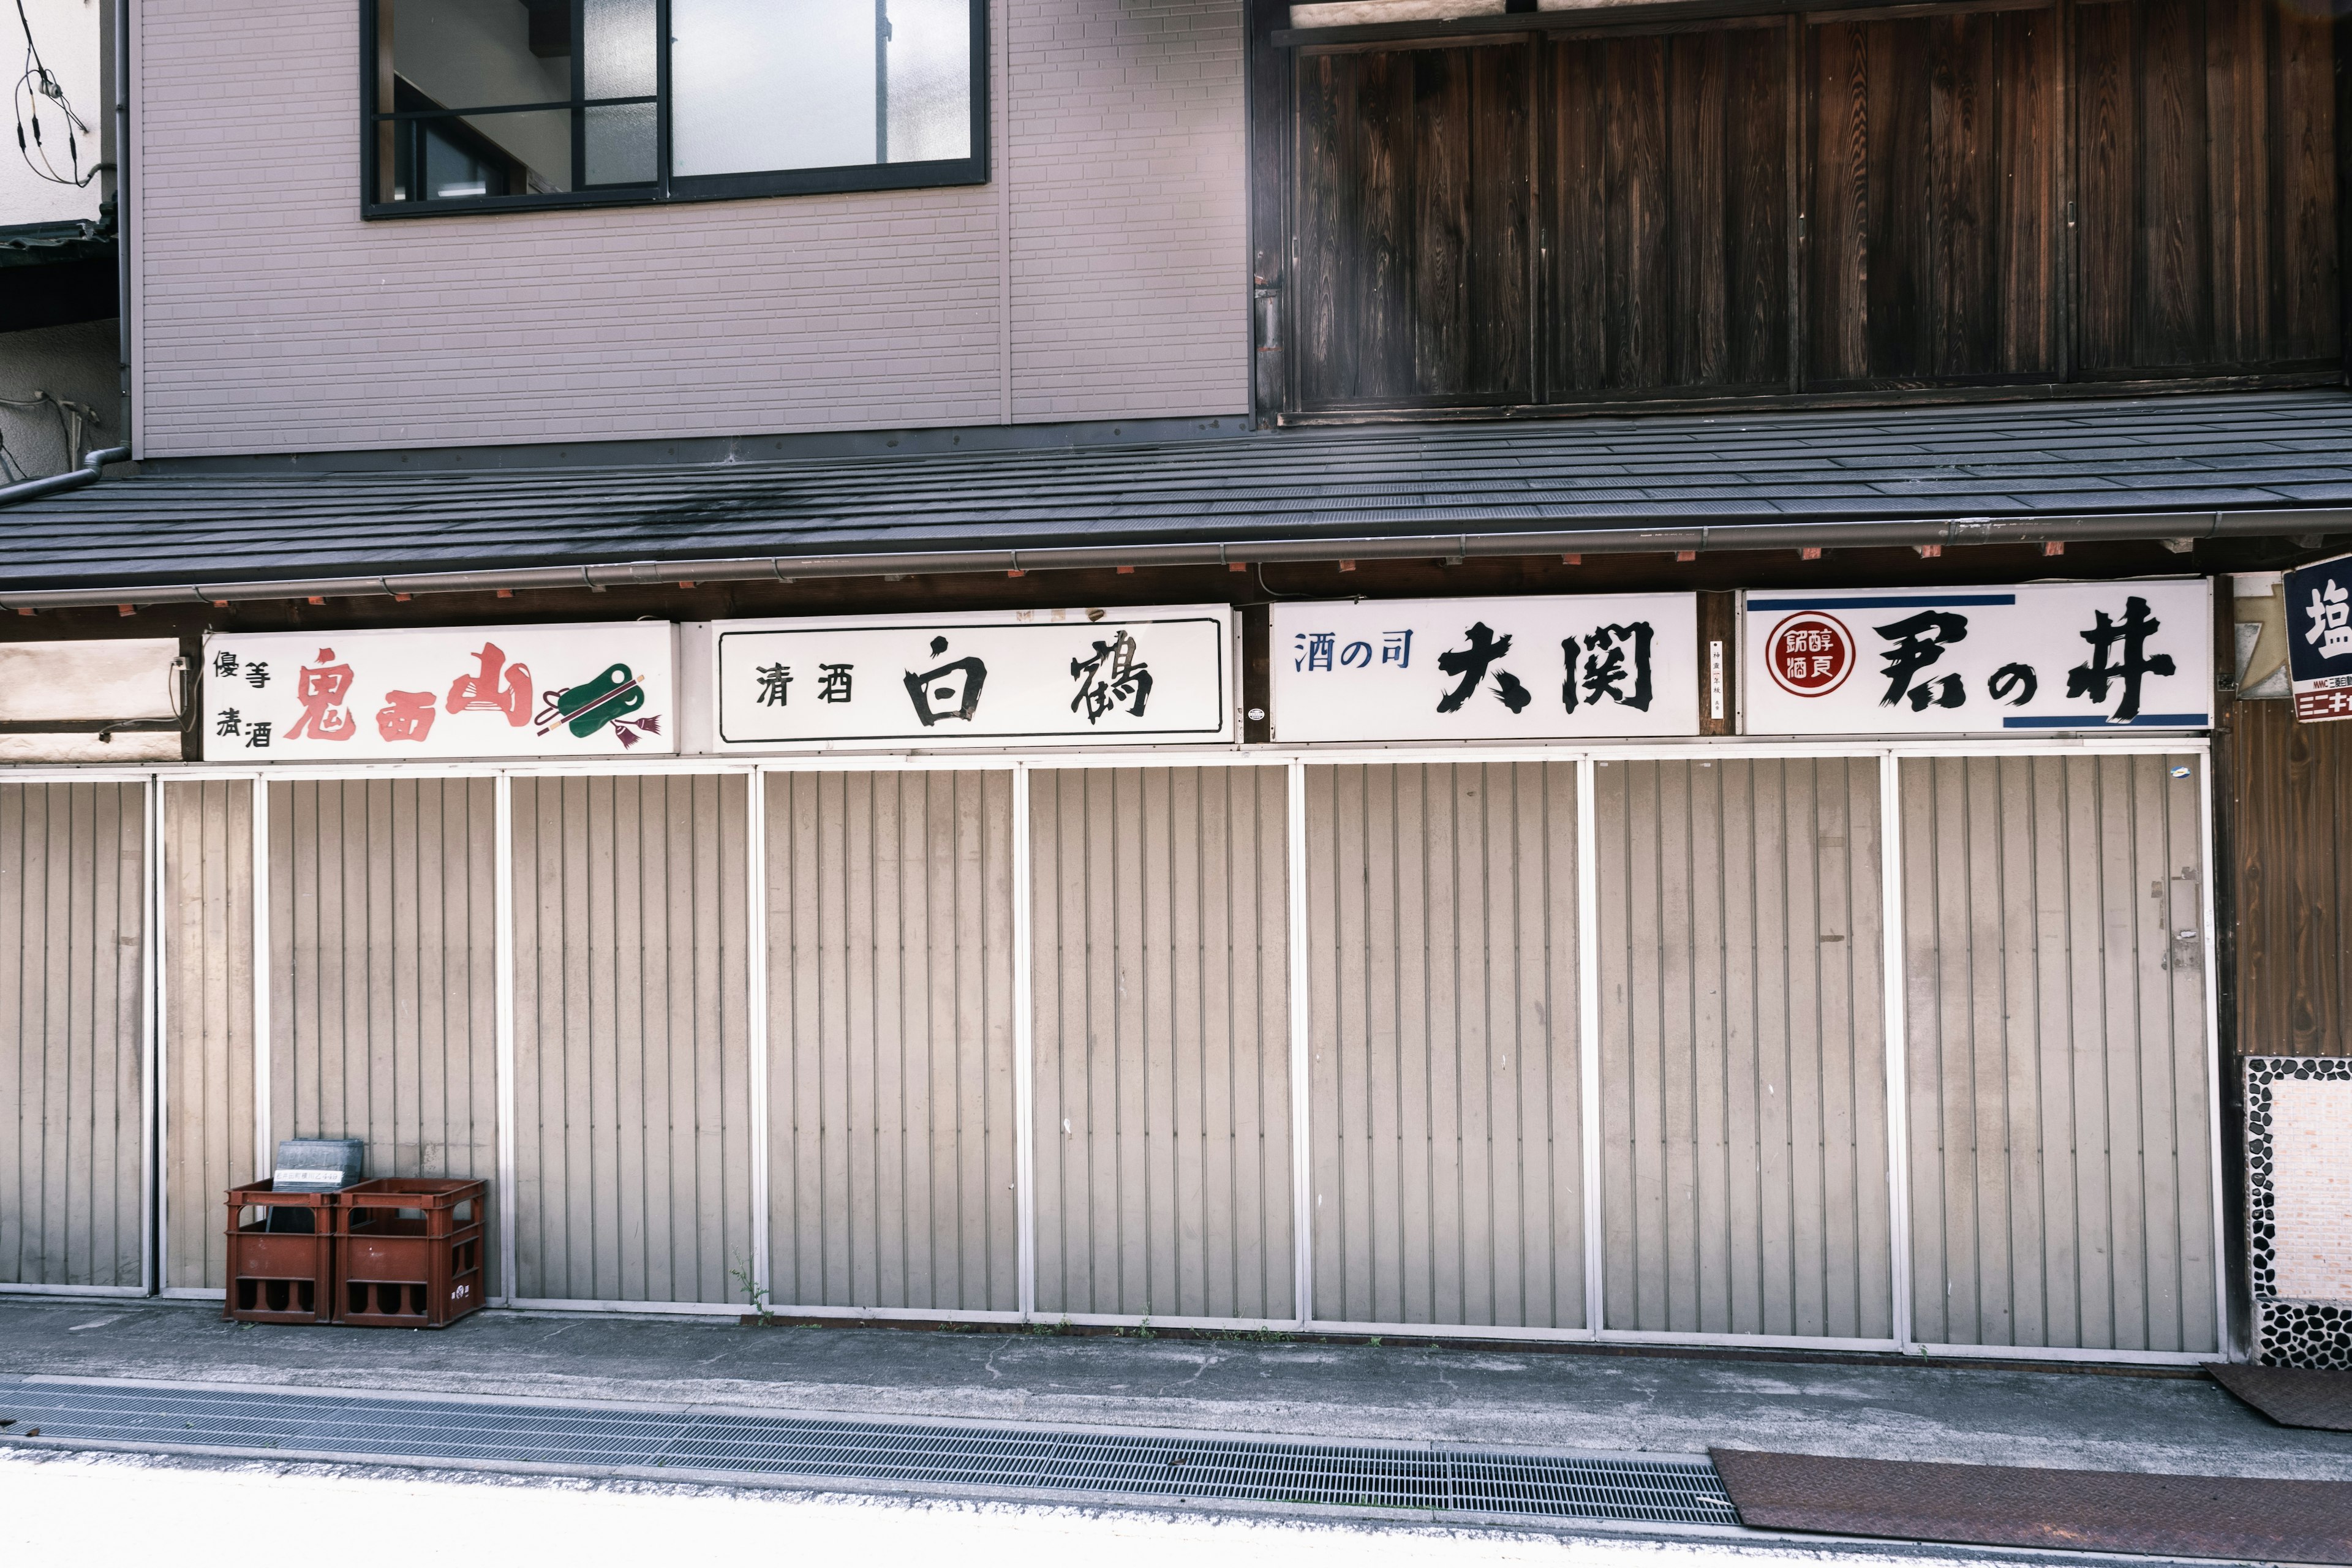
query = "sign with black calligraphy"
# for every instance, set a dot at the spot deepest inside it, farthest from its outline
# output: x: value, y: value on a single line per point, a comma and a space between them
x: 2319, y: 638
x: 1537, y: 668
x: 401, y: 695
x: 1064, y: 676
x: 2039, y: 656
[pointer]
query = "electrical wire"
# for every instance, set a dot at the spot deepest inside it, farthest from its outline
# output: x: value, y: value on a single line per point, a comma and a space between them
x: 71, y: 415
x: 34, y: 84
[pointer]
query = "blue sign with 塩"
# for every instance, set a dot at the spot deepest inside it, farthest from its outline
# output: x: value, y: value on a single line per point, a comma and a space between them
x: 2319, y: 638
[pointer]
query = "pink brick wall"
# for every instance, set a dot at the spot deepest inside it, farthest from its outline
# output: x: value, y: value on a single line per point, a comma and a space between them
x: 2311, y: 1137
x: 269, y: 317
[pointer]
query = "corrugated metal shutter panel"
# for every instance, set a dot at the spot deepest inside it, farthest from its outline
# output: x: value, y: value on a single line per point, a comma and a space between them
x: 1448, y: 1167
x: 1743, y: 1064
x: 72, y: 934
x: 384, y: 985
x: 208, y: 1069
x: 632, y: 1039
x: 2060, y: 1115
x: 1162, y: 1042
x: 891, y: 1136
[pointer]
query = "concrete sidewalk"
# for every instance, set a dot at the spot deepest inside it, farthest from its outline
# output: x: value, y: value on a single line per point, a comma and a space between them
x: 1560, y: 1400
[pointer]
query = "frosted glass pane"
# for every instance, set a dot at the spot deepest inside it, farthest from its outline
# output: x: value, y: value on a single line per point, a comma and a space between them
x: 621, y: 143
x: 620, y: 58
x: 771, y: 84
x: 930, y: 51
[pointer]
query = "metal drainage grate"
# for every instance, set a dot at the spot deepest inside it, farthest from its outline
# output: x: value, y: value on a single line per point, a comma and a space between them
x: 1426, y: 1479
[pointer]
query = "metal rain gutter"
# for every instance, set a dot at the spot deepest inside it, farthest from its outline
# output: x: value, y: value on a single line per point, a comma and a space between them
x: 92, y: 464
x: 1695, y: 537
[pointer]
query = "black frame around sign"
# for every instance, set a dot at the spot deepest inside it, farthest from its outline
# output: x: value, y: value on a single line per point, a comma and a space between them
x: 971, y: 171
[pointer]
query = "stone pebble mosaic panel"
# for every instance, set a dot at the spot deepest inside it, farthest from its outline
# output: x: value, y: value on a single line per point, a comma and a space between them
x: 2299, y: 1171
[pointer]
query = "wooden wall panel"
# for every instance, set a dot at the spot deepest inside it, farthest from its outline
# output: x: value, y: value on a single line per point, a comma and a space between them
x: 891, y: 1127
x: 2206, y: 138
x: 1162, y: 1057
x: 1448, y: 1150
x: 2062, y: 1189
x: 1414, y: 208
x: 73, y: 934
x: 207, y: 1045
x: 382, y: 973
x: 1931, y: 252
x: 1667, y: 204
x: 2291, y: 797
x: 1743, y: 1065
x: 1901, y: 199
x: 631, y: 1038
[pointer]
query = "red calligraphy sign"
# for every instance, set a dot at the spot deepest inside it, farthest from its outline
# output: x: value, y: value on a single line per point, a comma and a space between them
x: 405, y: 716
x: 1810, y: 654
x: 497, y: 687
x: 321, y: 691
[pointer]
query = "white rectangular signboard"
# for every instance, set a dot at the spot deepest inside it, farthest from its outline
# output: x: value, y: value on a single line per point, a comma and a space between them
x: 2035, y: 657
x: 1537, y: 668
x: 401, y: 695
x: 1010, y: 677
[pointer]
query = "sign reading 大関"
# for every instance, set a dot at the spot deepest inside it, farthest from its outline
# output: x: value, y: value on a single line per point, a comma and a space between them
x: 2039, y: 656
x: 1537, y: 668
x: 397, y: 695
x: 2319, y: 638
x: 1062, y: 677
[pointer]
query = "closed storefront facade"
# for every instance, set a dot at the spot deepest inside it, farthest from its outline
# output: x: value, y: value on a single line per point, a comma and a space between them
x: 1607, y: 1029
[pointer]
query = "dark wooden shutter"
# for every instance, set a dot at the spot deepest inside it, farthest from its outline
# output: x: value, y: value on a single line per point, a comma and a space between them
x: 1669, y: 180
x: 1930, y: 247
x: 2206, y: 137
x: 1414, y: 225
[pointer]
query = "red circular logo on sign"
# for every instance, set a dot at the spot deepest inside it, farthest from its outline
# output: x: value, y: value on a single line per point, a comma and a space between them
x: 1810, y: 654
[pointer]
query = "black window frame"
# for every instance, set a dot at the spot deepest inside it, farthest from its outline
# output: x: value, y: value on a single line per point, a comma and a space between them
x: 973, y: 170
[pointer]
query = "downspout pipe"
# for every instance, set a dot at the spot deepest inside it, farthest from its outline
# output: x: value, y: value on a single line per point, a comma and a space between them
x: 122, y: 122
x: 92, y: 465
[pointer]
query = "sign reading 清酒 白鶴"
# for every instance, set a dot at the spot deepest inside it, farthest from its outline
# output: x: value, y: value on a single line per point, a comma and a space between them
x: 1062, y: 677
x: 398, y: 695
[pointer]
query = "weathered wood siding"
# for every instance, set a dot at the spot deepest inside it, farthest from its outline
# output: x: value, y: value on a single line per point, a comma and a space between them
x: 2290, y: 793
x: 891, y: 1141
x: 1447, y: 1091
x: 1932, y: 246
x: 73, y: 890
x: 207, y: 1045
x: 1668, y: 191
x: 2206, y: 139
x: 1162, y: 1034
x: 632, y: 1045
x: 1744, y: 1171
x: 1912, y: 199
x: 382, y: 973
x: 2062, y: 1187
x: 1416, y: 225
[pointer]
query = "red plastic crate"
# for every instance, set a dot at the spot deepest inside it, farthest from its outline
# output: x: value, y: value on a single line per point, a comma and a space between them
x: 280, y: 1277
x: 408, y: 1252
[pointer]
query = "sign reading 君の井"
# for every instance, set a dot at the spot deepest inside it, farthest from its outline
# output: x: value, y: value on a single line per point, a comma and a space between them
x: 2319, y: 638
x: 397, y: 695
x: 2040, y: 655
x: 985, y: 678
x: 1537, y: 668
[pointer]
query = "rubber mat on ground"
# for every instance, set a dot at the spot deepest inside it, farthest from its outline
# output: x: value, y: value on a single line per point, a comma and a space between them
x: 2077, y: 1510
x: 2291, y: 1396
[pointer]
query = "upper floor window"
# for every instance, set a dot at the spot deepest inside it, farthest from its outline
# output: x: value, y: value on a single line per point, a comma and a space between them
x: 513, y: 104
